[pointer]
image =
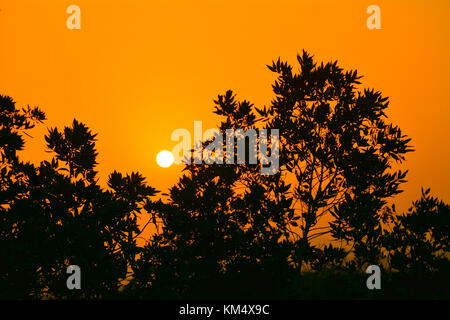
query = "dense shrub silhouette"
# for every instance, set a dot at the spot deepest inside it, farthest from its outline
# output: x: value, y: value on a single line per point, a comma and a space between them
x: 419, y: 240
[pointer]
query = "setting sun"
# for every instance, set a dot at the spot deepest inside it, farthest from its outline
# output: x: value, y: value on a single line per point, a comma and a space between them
x: 164, y: 159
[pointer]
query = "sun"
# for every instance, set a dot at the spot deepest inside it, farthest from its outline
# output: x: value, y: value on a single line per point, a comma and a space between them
x: 164, y: 159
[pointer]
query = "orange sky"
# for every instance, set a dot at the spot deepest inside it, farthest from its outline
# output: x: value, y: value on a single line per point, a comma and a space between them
x: 137, y: 70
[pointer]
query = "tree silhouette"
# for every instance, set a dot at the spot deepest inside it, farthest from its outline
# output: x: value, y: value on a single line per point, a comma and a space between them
x: 55, y: 214
x: 228, y: 230
x: 338, y: 150
x: 219, y: 235
x: 336, y: 156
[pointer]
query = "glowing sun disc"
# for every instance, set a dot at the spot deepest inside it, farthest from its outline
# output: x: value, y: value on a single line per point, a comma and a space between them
x: 164, y: 159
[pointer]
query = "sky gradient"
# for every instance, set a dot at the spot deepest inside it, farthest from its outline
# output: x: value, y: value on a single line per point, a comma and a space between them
x: 137, y: 70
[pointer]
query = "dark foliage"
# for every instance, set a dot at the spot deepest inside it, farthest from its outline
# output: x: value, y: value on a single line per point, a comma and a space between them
x: 227, y: 231
x: 56, y: 214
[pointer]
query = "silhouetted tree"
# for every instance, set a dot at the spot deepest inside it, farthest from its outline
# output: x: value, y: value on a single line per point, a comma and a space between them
x: 56, y: 214
x: 226, y: 230
x: 223, y: 221
x: 13, y: 125
x: 338, y: 149
x: 219, y: 233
